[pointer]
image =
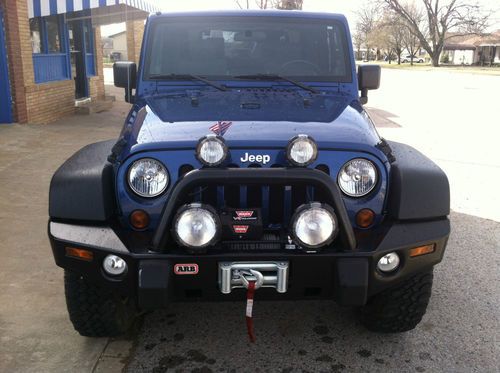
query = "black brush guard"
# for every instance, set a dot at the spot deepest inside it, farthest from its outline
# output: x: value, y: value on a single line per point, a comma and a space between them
x: 254, y: 176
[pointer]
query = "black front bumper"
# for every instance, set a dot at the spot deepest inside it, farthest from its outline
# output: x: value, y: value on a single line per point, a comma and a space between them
x: 349, y: 277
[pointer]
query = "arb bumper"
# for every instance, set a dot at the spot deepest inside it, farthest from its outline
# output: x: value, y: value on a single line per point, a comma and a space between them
x: 154, y: 279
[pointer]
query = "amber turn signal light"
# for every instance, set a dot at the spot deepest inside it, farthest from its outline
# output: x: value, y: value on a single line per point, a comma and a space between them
x: 81, y: 254
x: 365, y: 218
x: 422, y: 250
x: 139, y: 219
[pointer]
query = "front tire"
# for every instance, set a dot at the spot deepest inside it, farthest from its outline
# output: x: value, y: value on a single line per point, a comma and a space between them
x: 401, y: 308
x: 95, y: 311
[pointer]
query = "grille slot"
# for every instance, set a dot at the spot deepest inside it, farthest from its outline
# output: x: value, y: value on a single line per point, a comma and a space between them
x: 277, y: 202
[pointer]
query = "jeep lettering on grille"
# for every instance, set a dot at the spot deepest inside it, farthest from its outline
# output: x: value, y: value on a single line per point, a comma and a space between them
x: 261, y: 158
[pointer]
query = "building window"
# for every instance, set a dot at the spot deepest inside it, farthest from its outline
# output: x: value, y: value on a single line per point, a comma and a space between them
x: 50, y: 50
x: 36, y: 35
x: 53, y: 34
x: 88, y: 33
x: 46, y: 34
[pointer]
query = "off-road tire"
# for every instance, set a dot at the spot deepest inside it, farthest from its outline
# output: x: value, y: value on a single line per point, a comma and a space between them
x: 400, y: 308
x: 95, y: 311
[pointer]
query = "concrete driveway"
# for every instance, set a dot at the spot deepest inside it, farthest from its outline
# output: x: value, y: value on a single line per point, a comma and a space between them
x: 449, y: 116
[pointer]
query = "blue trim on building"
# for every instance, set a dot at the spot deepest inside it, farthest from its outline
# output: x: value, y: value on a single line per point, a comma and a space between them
x: 5, y: 96
x: 69, y: 6
x: 53, y: 6
x: 37, y: 8
x: 90, y: 50
x: 49, y: 67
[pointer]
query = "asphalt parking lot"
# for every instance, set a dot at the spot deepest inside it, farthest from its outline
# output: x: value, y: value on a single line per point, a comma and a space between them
x: 449, y: 116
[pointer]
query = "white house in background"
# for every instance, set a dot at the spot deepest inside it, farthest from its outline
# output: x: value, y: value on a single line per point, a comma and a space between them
x: 116, y: 45
x: 473, y: 50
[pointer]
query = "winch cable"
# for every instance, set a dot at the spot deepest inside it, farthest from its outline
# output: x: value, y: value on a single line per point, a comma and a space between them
x: 249, y: 317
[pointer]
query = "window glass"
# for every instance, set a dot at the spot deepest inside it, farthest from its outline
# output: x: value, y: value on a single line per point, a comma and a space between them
x: 226, y: 47
x: 87, y: 32
x: 36, y: 35
x: 53, y: 34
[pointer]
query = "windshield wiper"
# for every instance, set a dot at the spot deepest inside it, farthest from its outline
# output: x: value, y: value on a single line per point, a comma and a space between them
x: 277, y: 77
x: 187, y: 77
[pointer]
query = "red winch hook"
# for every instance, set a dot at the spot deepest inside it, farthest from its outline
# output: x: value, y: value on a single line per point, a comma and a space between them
x: 256, y: 281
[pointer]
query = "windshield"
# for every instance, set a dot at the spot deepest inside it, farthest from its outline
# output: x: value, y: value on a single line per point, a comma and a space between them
x: 228, y: 47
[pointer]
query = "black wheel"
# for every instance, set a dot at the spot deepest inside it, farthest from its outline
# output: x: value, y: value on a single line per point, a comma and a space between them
x: 94, y: 311
x: 400, y: 308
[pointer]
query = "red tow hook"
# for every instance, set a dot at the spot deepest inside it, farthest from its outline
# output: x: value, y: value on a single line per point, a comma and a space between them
x: 254, y: 281
x: 250, y: 295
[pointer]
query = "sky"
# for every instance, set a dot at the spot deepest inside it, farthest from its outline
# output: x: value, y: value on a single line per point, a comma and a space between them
x: 346, y: 7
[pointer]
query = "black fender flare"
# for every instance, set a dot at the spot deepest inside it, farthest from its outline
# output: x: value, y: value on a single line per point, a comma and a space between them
x: 418, y: 189
x: 83, y: 187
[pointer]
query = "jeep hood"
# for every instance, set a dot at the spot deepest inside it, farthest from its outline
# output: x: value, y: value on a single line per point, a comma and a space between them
x: 173, y: 122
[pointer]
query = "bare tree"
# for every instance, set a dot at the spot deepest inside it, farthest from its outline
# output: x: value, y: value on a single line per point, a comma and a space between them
x: 267, y: 4
x: 395, y: 31
x: 289, y: 4
x: 391, y: 32
x: 411, y: 44
x: 246, y: 6
x: 368, y: 20
x: 263, y: 4
x: 358, y: 39
x: 439, y: 17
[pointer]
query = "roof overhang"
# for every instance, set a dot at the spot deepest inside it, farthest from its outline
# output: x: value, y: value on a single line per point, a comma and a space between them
x: 459, y: 47
x: 101, y: 12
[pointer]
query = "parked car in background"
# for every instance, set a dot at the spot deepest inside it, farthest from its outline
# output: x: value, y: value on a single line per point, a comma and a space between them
x: 407, y: 59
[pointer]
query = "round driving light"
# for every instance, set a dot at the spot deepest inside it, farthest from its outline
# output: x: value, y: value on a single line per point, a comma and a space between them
x: 114, y: 265
x: 314, y: 225
x: 388, y: 263
x: 139, y: 219
x: 196, y: 226
x: 302, y: 150
x: 211, y: 150
x: 357, y: 177
x: 148, y: 177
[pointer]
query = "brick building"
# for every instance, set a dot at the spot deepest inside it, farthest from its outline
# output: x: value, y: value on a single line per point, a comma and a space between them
x: 51, y: 54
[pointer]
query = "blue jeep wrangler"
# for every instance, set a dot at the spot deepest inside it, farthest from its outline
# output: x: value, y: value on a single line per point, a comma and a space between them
x: 247, y: 161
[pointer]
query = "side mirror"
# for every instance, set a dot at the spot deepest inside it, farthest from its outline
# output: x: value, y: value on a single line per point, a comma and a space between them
x: 368, y: 78
x: 125, y: 76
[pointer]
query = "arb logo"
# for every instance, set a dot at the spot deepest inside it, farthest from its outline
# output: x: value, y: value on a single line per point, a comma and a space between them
x: 186, y: 269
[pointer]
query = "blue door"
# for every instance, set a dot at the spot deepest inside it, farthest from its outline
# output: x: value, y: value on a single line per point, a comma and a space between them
x: 5, y: 98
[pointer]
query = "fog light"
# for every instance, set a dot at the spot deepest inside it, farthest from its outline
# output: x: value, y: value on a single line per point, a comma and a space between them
x: 114, y: 265
x: 302, y: 150
x: 388, y: 263
x: 314, y: 225
x: 196, y: 226
x: 211, y: 150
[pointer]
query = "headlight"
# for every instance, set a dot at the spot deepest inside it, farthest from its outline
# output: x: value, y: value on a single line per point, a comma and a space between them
x: 314, y: 225
x: 196, y: 226
x: 148, y: 177
x: 302, y: 150
x: 357, y: 177
x: 211, y: 150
